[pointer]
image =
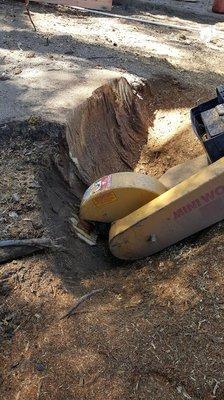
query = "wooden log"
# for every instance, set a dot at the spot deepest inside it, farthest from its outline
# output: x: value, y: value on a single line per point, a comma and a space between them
x: 93, y: 4
x: 105, y: 134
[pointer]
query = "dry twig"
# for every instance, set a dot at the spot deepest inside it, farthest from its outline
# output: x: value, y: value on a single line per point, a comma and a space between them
x: 80, y: 301
x: 28, y: 12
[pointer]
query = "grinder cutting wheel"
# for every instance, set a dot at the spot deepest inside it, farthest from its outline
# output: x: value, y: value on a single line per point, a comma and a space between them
x: 117, y: 195
x: 147, y: 214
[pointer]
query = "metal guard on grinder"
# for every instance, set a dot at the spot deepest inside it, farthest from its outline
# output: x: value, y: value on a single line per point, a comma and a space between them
x: 208, y: 124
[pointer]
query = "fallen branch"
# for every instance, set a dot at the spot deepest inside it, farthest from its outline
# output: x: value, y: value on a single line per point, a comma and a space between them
x: 39, y: 242
x: 7, y: 255
x: 28, y: 12
x: 17, y: 248
x: 80, y: 301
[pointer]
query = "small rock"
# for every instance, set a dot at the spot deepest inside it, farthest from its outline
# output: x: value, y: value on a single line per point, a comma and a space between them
x: 81, y: 381
x: 40, y: 367
x: 115, y: 44
x: 4, y: 77
x: 30, y: 54
x: 16, y: 197
x: 19, y: 168
x: 183, y: 37
x: 13, y: 214
x: 17, y: 70
x: 179, y: 389
x: 34, y: 185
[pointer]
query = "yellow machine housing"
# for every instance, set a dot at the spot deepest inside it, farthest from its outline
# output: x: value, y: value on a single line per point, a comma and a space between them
x: 115, y: 196
x: 187, y: 208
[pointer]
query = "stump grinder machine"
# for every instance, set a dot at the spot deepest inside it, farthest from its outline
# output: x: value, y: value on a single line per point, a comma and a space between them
x: 147, y: 214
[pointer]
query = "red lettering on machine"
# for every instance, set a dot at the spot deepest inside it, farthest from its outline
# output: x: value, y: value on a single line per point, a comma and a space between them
x: 204, y: 199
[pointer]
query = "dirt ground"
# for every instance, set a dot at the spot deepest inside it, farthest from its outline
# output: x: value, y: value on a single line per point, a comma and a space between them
x: 156, y: 330
x: 48, y: 71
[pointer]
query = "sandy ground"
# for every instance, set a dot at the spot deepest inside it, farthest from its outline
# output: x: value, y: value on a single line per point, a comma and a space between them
x: 52, y: 69
x: 156, y: 330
